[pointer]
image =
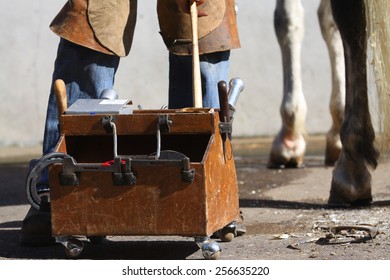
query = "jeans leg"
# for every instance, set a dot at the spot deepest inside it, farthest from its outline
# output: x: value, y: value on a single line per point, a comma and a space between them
x: 86, y: 74
x: 214, y: 67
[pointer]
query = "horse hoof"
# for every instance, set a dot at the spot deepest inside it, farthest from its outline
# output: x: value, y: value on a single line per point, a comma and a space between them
x: 357, y: 203
x: 337, y: 201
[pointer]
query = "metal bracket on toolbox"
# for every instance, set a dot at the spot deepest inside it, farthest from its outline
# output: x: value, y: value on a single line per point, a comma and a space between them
x: 226, y: 127
x: 164, y: 123
x: 124, y: 176
x: 187, y: 174
x: 68, y: 176
x: 107, y: 120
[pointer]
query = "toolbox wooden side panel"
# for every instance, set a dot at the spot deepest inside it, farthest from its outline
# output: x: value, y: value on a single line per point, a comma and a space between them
x: 220, y: 181
x: 134, y: 124
x: 221, y: 185
x: 159, y: 204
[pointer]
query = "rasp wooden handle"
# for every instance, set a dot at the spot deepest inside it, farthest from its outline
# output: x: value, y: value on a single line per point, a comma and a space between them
x: 60, y: 92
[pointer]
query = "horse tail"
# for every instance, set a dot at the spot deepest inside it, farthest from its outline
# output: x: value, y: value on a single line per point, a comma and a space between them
x: 378, y: 29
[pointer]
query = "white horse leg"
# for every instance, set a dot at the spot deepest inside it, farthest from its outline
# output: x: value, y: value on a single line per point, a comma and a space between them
x: 289, y: 145
x: 351, y: 182
x: 334, y: 43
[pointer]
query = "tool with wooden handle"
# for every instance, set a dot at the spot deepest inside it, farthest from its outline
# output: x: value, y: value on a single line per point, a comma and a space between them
x: 60, y: 92
x: 224, y: 112
x: 196, y: 78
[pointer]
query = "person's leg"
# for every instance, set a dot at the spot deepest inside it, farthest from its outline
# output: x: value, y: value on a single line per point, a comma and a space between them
x: 214, y: 68
x: 86, y: 74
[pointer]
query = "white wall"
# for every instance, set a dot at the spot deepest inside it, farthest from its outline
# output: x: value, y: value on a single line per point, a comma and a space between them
x: 28, y: 47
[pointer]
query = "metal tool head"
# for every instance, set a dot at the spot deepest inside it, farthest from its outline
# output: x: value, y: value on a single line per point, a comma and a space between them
x: 109, y: 93
x: 236, y: 86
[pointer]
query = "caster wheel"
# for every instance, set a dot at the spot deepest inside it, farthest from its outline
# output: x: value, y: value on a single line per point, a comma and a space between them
x: 211, y: 250
x: 227, y: 234
x: 73, y: 248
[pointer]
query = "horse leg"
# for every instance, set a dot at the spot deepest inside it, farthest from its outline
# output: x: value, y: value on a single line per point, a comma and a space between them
x: 351, y: 182
x: 334, y: 43
x: 289, y: 145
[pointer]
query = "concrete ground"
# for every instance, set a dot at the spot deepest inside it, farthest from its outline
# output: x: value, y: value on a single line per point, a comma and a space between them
x: 284, y: 210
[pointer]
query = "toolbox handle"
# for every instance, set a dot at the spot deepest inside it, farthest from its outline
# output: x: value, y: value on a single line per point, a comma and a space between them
x: 121, y: 167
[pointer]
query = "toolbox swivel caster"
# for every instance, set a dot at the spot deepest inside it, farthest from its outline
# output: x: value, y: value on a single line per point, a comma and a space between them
x: 73, y: 247
x: 227, y: 234
x: 210, y: 249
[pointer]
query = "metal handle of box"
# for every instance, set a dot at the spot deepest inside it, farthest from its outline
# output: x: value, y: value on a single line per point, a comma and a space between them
x: 121, y: 167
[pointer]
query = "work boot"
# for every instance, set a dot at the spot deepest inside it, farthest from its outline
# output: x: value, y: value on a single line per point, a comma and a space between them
x: 36, y: 226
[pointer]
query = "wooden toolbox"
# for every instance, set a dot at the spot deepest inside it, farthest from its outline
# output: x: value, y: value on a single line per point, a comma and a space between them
x: 151, y: 172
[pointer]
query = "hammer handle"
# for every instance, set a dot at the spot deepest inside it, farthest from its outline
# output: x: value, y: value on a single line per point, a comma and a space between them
x: 196, y: 78
x: 60, y: 92
x: 224, y: 112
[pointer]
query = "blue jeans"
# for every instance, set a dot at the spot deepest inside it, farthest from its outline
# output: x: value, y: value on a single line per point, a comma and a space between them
x: 214, y: 67
x: 87, y: 73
